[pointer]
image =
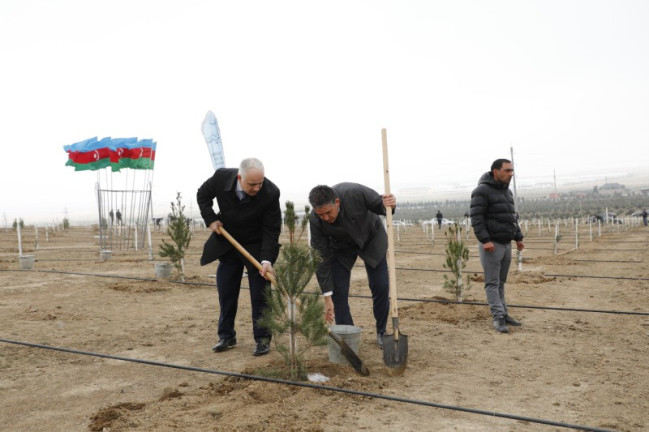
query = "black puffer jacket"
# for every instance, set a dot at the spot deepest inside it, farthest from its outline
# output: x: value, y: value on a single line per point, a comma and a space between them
x: 493, y: 214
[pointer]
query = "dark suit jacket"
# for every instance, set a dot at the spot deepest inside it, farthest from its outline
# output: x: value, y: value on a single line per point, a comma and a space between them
x: 255, y: 221
x: 360, y: 208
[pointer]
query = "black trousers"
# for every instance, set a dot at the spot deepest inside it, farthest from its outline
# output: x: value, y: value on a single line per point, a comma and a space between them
x: 228, y: 284
x: 379, y: 282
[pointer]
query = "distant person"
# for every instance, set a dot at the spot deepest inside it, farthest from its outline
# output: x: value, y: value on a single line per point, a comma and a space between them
x: 495, y: 224
x: 345, y: 224
x: 249, y: 210
x: 119, y: 217
x: 112, y: 216
x: 439, y: 219
x: 644, y: 217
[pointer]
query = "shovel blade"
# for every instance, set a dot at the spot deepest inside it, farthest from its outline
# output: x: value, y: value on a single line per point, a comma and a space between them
x: 395, y: 353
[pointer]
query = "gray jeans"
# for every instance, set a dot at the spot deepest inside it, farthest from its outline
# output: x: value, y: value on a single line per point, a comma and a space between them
x: 496, y: 266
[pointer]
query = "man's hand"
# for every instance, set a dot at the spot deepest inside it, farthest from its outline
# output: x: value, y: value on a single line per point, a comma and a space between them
x: 329, y: 310
x: 214, y: 226
x: 520, y: 245
x: 488, y: 247
x: 266, y: 267
x: 389, y: 201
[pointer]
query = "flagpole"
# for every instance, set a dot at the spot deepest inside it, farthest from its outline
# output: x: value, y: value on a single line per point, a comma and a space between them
x: 511, y: 150
x: 147, y: 222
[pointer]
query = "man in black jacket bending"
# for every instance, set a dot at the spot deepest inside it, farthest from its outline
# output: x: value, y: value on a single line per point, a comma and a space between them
x: 249, y: 210
x: 495, y: 224
x: 344, y: 225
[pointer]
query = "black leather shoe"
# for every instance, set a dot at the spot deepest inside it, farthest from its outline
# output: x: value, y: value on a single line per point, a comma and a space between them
x: 379, y: 339
x: 224, y: 344
x: 262, y: 348
x: 499, y: 325
x: 511, y: 321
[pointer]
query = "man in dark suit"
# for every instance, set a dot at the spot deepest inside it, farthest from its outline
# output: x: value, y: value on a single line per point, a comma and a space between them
x: 345, y: 224
x: 249, y: 210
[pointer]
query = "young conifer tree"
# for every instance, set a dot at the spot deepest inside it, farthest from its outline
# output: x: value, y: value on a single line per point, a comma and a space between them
x: 457, y: 255
x: 290, y: 219
x: 180, y: 234
x: 298, y: 317
x: 305, y: 221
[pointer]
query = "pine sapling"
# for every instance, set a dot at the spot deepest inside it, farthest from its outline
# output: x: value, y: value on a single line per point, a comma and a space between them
x: 304, y: 222
x: 290, y: 219
x: 299, y: 316
x: 457, y: 255
x: 178, y: 231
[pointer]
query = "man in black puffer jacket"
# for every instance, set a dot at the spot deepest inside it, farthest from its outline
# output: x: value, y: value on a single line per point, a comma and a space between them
x: 495, y: 224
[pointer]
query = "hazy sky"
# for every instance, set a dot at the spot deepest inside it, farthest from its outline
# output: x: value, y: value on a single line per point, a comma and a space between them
x: 307, y: 86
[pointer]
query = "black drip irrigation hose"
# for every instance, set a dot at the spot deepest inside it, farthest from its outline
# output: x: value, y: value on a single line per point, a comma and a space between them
x: 625, y: 241
x: 473, y: 255
x: 608, y: 261
x: 414, y: 300
x: 597, y: 277
x: 419, y: 253
x: 66, y: 260
x: 312, y: 386
x: 525, y: 306
x: 544, y: 274
x: 109, y: 276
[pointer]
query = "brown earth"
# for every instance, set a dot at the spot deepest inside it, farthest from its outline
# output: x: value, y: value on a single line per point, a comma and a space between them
x: 573, y: 362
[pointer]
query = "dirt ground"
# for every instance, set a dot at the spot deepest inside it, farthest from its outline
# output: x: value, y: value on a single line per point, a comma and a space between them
x: 575, y: 360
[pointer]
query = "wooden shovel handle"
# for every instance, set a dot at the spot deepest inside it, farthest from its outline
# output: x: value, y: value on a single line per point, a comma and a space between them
x: 394, y: 312
x: 249, y: 257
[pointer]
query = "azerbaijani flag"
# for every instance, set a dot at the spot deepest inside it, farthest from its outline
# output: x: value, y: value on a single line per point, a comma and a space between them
x: 89, y: 154
x: 137, y: 154
x: 119, y: 156
x: 118, y: 153
x: 141, y: 155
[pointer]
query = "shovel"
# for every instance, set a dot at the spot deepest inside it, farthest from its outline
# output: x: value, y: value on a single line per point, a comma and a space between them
x: 395, y: 346
x: 345, y: 349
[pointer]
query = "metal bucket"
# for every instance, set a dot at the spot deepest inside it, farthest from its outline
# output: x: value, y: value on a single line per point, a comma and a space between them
x: 352, y: 337
x: 163, y: 270
x: 26, y: 262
